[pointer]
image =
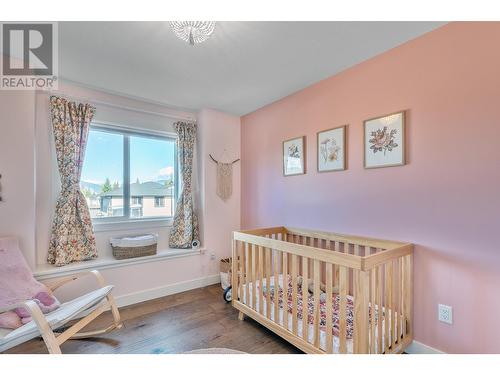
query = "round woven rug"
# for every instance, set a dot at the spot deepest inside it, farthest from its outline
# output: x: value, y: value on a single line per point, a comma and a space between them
x: 215, y: 351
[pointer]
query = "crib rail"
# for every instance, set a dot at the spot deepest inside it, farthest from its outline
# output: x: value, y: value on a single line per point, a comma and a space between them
x: 367, y: 277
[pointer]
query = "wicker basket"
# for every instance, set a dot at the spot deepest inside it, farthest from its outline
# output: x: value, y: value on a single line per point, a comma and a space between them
x: 126, y: 252
x: 225, y: 272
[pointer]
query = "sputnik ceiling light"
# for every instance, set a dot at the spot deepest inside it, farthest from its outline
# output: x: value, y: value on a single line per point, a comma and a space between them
x: 193, y: 32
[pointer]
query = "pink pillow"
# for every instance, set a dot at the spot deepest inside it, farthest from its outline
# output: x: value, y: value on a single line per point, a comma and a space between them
x: 10, y: 320
x: 45, y: 302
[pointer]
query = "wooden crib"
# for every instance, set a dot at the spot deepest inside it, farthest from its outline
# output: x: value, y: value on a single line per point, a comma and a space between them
x: 364, y: 276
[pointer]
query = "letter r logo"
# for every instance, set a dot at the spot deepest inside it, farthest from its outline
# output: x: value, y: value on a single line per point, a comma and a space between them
x: 28, y: 49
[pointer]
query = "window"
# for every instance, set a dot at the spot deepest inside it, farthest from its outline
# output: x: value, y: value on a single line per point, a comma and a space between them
x: 129, y: 175
x: 136, y: 207
x: 159, y: 201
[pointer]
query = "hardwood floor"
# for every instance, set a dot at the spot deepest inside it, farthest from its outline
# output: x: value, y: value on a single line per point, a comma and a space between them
x: 174, y: 324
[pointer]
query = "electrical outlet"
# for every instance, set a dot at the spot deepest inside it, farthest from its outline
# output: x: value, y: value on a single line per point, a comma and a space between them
x: 445, y: 314
x: 212, y: 256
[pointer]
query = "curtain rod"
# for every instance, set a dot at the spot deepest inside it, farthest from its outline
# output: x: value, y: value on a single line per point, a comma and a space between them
x: 127, y: 108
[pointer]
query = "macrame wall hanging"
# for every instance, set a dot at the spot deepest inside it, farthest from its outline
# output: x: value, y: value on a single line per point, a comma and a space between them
x: 224, y: 178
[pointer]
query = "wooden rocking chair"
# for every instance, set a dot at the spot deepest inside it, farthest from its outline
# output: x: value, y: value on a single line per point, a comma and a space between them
x: 90, y: 306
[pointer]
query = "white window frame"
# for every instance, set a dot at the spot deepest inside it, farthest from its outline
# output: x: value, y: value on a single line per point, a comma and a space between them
x: 126, y: 221
x: 161, y: 200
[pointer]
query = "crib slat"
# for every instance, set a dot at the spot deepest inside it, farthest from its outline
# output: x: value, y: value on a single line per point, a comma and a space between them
x: 343, y: 283
x: 330, y: 245
x: 373, y: 276
x: 268, y: 281
x: 380, y: 310
x: 316, y: 302
x: 253, y: 257
x: 410, y: 292
x: 336, y: 245
x: 395, y: 304
x: 390, y: 289
x: 305, y: 299
x: 388, y: 301
x: 261, y: 277
x: 347, y: 250
x: 402, y: 333
x: 405, y: 306
x: 403, y: 293
x: 276, y: 270
x: 310, y: 242
x: 329, y: 307
x: 285, y: 290
x: 235, y: 267
x: 242, y: 269
x: 305, y: 240
x: 408, y: 262
x: 247, y: 273
x: 403, y: 296
x: 353, y: 280
x: 294, y: 294
x: 361, y: 290
x: 335, y: 267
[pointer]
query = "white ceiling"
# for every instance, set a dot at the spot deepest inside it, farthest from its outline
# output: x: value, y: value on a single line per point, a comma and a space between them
x: 242, y: 67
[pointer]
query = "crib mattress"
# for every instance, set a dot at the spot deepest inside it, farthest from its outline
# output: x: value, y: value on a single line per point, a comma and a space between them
x: 310, y: 335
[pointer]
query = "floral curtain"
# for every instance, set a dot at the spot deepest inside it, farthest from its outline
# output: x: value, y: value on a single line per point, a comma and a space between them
x: 185, y: 227
x: 72, y: 236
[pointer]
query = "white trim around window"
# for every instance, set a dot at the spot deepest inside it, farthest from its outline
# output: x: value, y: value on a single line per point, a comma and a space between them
x: 131, y: 224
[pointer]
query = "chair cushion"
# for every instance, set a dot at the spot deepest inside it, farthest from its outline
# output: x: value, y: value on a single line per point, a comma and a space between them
x: 68, y: 311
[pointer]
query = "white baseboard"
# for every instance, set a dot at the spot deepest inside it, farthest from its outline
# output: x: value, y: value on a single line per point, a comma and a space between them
x: 418, y: 348
x: 166, y: 290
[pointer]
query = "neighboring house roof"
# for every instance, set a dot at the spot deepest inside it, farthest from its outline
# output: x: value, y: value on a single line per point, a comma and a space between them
x: 146, y: 189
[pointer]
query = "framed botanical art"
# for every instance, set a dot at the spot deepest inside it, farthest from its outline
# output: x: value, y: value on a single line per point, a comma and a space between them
x: 384, y: 141
x: 331, y: 149
x: 294, y: 156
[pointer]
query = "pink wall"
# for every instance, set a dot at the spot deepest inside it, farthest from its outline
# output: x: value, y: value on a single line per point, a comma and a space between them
x: 446, y: 200
x: 217, y: 132
x: 17, y: 209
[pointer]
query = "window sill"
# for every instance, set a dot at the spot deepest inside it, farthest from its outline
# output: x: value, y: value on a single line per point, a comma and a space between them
x: 131, y: 224
x: 48, y: 271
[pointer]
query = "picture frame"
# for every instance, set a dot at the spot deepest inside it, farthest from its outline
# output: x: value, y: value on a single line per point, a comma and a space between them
x: 331, y: 149
x: 384, y: 141
x: 293, y: 153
